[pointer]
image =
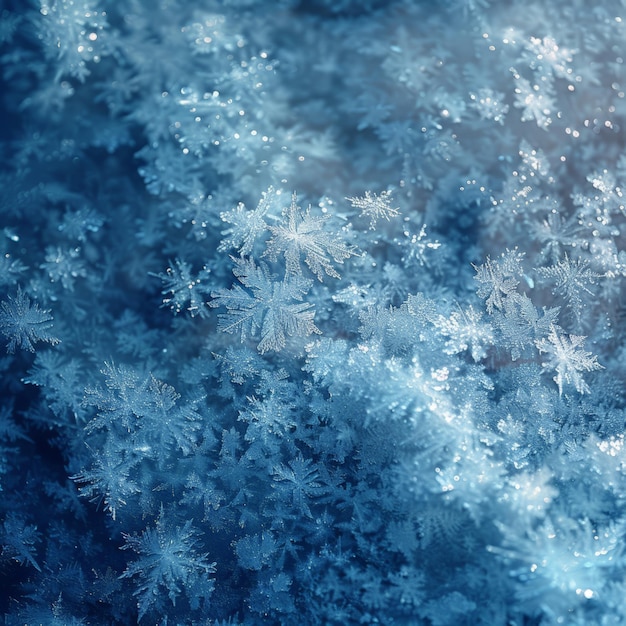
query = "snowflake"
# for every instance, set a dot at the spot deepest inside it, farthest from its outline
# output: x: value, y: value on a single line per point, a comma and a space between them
x: 301, y: 234
x: 572, y: 278
x: 521, y: 322
x: 465, y: 331
x: 537, y: 105
x: 64, y: 266
x: 567, y: 359
x: 168, y: 563
x: 554, y: 232
x: 266, y: 308
x: 498, y: 279
x: 246, y: 226
x: 182, y: 290
x: 24, y: 324
x: 416, y: 247
x: 300, y: 481
x: 70, y: 32
x: 375, y: 206
x: 490, y: 105
x: 109, y: 481
x: 548, y: 58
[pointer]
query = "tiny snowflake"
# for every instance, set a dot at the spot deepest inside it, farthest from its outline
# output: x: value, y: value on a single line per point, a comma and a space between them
x: 375, y: 206
x: 537, y: 105
x: 490, y: 105
x: 417, y: 246
x: 184, y: 291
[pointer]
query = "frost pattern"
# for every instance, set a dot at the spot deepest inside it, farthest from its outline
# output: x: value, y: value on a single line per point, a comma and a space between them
x: 340, y: 287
